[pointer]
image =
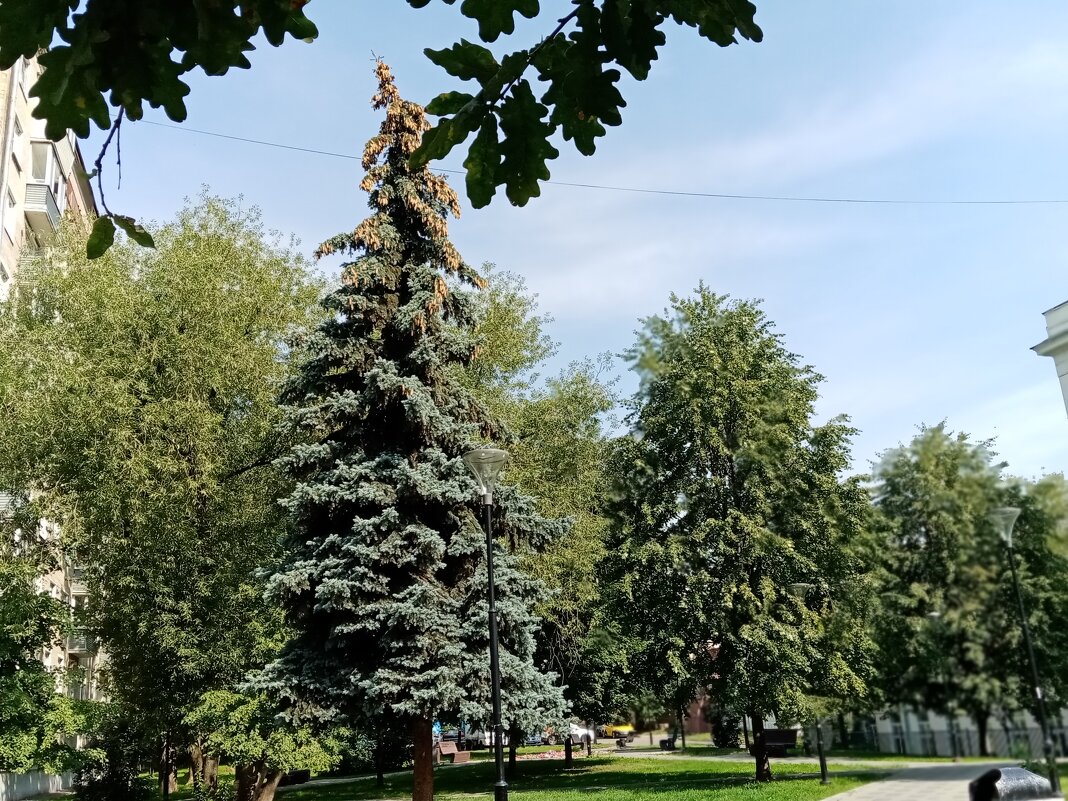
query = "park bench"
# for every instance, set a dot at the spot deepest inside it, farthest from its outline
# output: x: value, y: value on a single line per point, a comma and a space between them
x: 450, y: 753
x: 776, y: 741
x: 668, y: 744
x: 294, y: 777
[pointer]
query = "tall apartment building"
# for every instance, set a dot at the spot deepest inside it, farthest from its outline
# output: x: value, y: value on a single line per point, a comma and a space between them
x: 40, y: 182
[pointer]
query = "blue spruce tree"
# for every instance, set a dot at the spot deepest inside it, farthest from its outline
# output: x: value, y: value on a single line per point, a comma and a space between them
x: 384, y: 584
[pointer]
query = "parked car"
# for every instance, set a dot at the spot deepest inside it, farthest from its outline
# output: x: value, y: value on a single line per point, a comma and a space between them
x: 579, y: 735
x: 476, y: 738
x: 618, y: 731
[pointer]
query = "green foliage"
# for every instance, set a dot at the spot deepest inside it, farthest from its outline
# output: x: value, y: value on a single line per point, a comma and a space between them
x: 726, y: 495
x: 32, y: 714
x: 140, y: 390
x: 582, y: 70
x: 136, y: 50
x: 558, y: 448
x: 245, y: 730
x: 942, y: 556
x: 384, y: 580
x: 125, y: 53
x: 109, y: 765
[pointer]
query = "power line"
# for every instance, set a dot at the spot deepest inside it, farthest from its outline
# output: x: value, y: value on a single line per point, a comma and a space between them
x: 637, y: 190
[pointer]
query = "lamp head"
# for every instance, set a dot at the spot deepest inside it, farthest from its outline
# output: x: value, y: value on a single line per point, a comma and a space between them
x: 799, y: 588
x: 1004, y: 518
x: 486, y: 465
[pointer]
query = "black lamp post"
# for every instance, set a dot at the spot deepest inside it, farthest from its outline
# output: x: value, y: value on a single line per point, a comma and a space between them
x: 486, y: 464
x: 1004, y: 519
x: 799, y: 589
x: 951, y: 718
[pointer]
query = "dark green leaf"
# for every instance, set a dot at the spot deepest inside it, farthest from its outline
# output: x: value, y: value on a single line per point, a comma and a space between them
x: 101, y: 238
x: 302, y: 28
x: 449, y: 132
x: 134, y: 230
x: 482, y: 162
x: 495, y: 17
x: 448, y: 103
x: 631, y: 35
x: 525, y: 147
x: 466, y: 61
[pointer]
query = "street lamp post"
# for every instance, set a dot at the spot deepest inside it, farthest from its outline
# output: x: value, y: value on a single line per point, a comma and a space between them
x: 486, y: 464
x: 1004, y: 519
x: 951, y: 718
x: 799, y: 589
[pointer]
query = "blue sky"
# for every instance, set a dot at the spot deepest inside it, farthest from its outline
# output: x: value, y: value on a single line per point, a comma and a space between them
x: 913, y: 313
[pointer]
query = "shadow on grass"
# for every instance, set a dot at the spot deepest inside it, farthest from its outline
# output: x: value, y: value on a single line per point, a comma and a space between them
x: 588, y: 775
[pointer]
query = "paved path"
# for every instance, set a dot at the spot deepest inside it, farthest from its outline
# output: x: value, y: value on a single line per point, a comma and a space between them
x: 935, y: 782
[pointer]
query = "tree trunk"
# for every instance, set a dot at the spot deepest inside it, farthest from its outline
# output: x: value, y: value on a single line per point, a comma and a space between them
x: 843, y: 731
x: 745, y: 731
x: 682, y: 727
x: 423, y: 770
x: 196, y: 765
x: 211, y: 772
x: 760, y: 748
x: 266, y: 787
x: 514, y: 736
x: 247, y: 779
x: 168, y: 771
x: 982, y: 722
x: 380, y: 774
x: 569, y: 757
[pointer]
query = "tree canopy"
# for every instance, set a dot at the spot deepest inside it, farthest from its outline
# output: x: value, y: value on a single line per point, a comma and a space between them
x: 385, y: 577
x: 139, y: 396
x: 949, y: 630
x: 728, y: 499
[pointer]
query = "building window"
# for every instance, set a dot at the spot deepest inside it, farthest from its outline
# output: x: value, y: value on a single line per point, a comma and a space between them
x: 10, y: 215
x: 15, y: 161
x: 24, y: 77
x: 42, y: 161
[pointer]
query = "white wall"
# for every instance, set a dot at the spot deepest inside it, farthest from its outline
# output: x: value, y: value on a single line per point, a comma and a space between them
x: 16, y: 786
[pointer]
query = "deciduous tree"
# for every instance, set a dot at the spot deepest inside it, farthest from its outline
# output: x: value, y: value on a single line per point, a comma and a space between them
x: 949, y: 629
x: 727, y: 494
x: 139, y: 403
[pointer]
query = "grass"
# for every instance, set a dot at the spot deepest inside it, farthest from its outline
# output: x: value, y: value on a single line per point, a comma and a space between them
x: 613, y: 779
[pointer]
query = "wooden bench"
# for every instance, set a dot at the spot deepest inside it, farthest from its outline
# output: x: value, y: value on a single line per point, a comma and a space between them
x: 450, y: 753
x: 776, y: 741
x: 668, y: 744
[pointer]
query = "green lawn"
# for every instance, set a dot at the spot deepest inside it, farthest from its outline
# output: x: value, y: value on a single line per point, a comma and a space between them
x: 610, y: 778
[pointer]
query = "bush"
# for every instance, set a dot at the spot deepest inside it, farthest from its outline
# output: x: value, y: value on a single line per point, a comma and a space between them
x: 726, y: 728
x: 100, y: 779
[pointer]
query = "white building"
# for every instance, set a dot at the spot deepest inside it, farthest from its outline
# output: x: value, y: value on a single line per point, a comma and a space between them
x: 40, y: 180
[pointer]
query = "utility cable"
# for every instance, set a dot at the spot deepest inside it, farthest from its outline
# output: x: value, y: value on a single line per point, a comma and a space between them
x: 671, y: 192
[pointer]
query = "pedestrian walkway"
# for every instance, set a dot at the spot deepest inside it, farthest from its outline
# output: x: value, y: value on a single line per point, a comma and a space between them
x: 935, y: 782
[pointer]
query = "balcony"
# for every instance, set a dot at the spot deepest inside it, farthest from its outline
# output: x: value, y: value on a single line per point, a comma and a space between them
x: 81, y: 643
x: 77, y: 581
x: 42, y: 211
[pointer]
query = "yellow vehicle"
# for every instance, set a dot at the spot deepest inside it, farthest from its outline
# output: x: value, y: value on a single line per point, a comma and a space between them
x: 618, y: 730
